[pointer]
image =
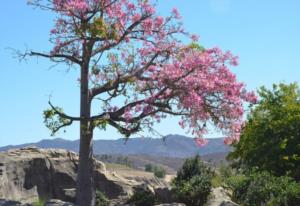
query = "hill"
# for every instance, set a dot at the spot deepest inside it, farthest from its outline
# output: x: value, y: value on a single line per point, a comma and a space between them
x: 175, y: 146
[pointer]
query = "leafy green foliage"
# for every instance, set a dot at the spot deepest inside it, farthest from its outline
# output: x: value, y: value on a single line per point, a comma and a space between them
x: 101, y: 199
x: 261, y: 188
x: 159, y: 172
x: 193, y: 183
x: 54, y: 121
x: 149, y: 168
x: 196, y: 46
x: 143, y: 198
x: 40, y: 202
x: 271, y: 138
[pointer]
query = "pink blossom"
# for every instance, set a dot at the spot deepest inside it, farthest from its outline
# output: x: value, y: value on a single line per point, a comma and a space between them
x: 159, y: 21
x: 195, y: 84
x: 136, y: 17
x: 195, y: 37
x: 200, y: 142
x: 176, y: 13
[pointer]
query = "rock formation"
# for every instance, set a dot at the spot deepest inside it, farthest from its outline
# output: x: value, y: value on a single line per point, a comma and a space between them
x: 31, y: 173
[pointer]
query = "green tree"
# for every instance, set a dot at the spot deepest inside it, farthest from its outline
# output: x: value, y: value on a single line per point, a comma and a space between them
x: 271, y: 138
x: 148, y: 168
x: 159, y: 172
x: 193, y: 182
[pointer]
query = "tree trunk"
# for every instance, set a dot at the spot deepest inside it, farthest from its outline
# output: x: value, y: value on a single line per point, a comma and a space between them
x: 85, y: 188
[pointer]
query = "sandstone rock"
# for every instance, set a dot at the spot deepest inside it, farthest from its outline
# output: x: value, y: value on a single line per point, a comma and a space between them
x: 31, y: 173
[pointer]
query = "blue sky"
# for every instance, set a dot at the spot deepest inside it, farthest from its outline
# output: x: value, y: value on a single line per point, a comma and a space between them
x: 264, y: 34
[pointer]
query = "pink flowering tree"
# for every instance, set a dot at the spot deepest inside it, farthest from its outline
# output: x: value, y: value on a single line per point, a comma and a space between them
x: 127, y: 53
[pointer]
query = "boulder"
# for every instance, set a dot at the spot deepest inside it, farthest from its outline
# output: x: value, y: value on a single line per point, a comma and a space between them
x: 172, y: 204
x: 30, y: 174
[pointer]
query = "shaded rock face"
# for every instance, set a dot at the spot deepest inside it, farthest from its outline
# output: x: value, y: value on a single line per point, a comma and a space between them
x: 31, y: 173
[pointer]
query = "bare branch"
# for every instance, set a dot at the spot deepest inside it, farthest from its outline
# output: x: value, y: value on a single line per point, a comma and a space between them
x: 63, y: 115
x: 51, y: 56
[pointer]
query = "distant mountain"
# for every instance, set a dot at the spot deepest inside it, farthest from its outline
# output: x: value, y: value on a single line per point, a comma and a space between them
x: 170, y: 146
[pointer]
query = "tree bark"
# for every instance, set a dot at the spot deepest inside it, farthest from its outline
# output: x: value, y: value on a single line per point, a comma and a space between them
x: 85, y: 188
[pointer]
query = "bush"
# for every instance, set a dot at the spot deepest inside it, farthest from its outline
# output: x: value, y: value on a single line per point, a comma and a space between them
x: 159, y: 172
x: 101, y: 199
x: 148, y: 168
x: 193, y: 183
x: 264, y: 189
x: 143, y: 198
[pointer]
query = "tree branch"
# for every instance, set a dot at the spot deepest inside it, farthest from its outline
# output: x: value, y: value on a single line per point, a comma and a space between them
x: 51, y: 56
x: 63, y: 115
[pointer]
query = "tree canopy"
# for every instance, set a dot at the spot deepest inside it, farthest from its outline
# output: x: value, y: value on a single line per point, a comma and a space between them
x: 135, y: 54
x: 132, y: 60
x: 271, y: 138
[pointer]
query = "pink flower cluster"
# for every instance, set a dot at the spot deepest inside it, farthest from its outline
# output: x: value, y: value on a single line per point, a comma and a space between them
x: 206, y: 90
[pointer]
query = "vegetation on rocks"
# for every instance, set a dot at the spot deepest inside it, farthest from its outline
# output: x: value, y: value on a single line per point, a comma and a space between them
x: 193, y: 182
x: 101, y: 199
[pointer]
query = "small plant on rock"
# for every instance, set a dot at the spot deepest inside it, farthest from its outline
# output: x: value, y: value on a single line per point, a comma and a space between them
x: 101, y: 199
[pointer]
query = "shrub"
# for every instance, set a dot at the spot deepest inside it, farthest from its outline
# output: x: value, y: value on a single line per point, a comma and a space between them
x: 195, y: 191
x: 101, y: 199
x: 264, y: 189
x: 143, y: 198
x: 193, y: 183
x: 159, y: 172
x: 148, y: 168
